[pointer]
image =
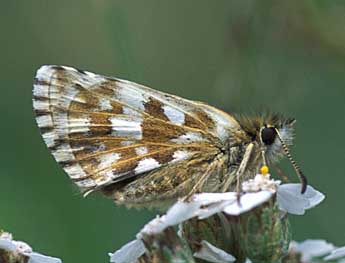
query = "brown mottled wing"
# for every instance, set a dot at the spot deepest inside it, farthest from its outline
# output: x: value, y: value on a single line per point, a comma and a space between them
x: 162, y: 187
x: 105, y: 130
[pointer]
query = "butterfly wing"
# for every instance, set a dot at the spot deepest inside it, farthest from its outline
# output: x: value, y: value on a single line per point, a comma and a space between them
x: 104, y: 130
x: 162, y: 187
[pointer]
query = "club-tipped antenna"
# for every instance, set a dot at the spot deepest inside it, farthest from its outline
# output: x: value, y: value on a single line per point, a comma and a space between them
x: 298, y: 170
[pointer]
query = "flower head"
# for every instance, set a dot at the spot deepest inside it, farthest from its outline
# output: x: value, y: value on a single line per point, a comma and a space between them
x: 317, y: 250
x: 20, y: 249
x: 256, y: 191
x: 260, y: 182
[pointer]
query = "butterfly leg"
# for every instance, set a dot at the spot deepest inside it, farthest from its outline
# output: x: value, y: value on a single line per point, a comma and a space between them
x: 280, y: 173
x: 199, y: 184
x: 241, y: 169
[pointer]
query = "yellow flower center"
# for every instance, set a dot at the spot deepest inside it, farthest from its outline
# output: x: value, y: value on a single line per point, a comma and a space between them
x: 264, y: 170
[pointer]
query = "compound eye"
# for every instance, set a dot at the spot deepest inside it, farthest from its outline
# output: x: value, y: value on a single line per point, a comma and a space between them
x: 268, y: 135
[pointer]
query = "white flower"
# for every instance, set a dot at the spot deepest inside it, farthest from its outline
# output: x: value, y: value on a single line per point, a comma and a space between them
x: 257, y: 191
x: 7, y: 245
x: 260, y: 182
x: 128, y: 253
x: 311, y: 248
x: 39, y: 258
x: 291, y: 200
x: 317, y: 250
x: 18, y: 248
x: 205, y: 205
x: 178, y: 213
x: 202, y: 206
x: 213, y: 254
x: 6, y: 235
x: 247, y: 202
x: 337, y: 253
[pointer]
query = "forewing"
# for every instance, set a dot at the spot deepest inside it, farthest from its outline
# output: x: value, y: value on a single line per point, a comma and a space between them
x: 104, y: 130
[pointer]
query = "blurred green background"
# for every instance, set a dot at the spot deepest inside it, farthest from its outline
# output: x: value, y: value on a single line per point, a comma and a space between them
x: 242, y: 56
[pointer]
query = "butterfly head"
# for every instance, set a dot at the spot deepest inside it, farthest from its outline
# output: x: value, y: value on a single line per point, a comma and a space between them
x: 272, y: 134
x: 275, y: 136
x: 264, y: 129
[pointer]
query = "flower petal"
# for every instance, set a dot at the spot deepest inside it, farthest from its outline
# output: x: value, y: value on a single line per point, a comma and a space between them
x: 315, y: 197
x: 202, y: 205
x: 311, y: 248
x: 22, y: 247
x: 213, y: 254
x: 247, y: 202
x: 337, y: 253
x: 291, y: 200
x: 39, y: 258
x: 180, y: 212
x: 215, y: 208
x: 208, y: 198
x: 129, y: 252
x: 7, y: 244
x: 205, y: 205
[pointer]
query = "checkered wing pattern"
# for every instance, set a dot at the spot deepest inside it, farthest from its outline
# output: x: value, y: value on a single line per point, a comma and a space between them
x: 105, y: 130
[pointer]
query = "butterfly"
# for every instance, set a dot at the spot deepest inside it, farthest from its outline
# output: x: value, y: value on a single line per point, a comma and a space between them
x: 143, y: 147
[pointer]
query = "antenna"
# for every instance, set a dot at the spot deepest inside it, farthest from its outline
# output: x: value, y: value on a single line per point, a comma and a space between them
x: 298, y: 170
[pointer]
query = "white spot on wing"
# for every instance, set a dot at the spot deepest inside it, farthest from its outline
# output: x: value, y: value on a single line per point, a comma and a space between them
x: 189, y: 137
x: 180, y: 155
x: 63, y: 153
x: 73, y: 98
x: 49, y: 138
x: 146, y: 164
x: 61, y: 94
x: 60, y: 122
x: 74, y: 171
x: 108, y: 159
x: 69, y: 68
x: 40, y: 90
x: 92, y: 75
x: 86, y: 184
x: 127, y: 143
x: 81, y: 124
x: 174, y: 115
x: 41, y: 105
x: 130, y: 96
x: 44, y: 121
x: 105, y: 104
x: 44, y: 72
x: 106, y: 177
x: 101, y: 147
x: 126, y: 127
x: 222, y: 121
x: 129, y: 111
x: 141, y: 150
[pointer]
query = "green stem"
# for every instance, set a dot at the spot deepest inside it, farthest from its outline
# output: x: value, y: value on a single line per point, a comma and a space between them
x: 166, y: 246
